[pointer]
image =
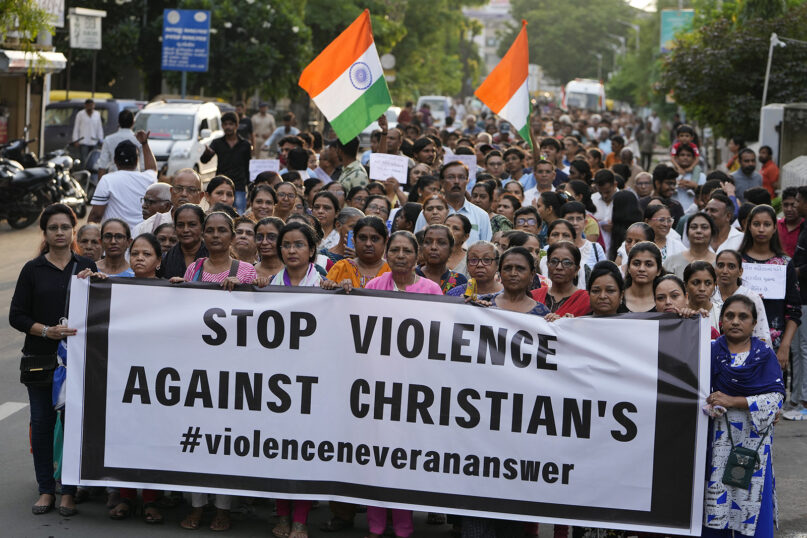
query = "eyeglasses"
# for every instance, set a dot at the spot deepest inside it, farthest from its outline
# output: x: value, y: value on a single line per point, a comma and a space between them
x: 286, y: 195
x: 179, y: 189
x: 566, y: 263
x: 297, y: 245
x: 359, y: 199
x: 663, y: 220
x: 110, y: 236
x: 526, y: 222
x: 483, y: 261
x: 380, y: 209
x: 59, y: 228
x: 260, y: 238
x: 151, y: 201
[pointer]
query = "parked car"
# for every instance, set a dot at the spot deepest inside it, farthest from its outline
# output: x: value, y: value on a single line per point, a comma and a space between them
x: 392, y: 121
x: 179, y: 131
x: 60, y: 116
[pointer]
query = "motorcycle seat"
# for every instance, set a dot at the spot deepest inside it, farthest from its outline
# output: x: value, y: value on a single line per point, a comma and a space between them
x: 30, y: 176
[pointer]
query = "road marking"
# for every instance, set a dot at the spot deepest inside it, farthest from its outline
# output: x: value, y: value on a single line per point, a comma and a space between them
x: 9, y: 408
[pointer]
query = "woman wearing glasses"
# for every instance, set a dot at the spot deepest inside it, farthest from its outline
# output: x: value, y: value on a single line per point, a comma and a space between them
x: 286, y: 200
x: 270, y: 264
x: 483, y: 262
x: 115, y: 238
x: 564, y: 297
x: 659, y: 218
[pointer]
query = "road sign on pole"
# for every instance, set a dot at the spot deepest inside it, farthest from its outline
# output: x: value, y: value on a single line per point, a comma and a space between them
x: 186, y: 40
x: 85, y: 28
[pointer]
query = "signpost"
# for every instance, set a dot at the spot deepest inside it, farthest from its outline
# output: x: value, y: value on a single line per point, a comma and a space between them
x: 85, y: 33
x: 186, y: 42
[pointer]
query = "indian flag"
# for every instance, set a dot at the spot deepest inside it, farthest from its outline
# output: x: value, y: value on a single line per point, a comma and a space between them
x: 505, y: 89
x: 346, y: 80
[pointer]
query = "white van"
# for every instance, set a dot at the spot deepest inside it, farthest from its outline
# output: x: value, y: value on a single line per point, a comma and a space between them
x: 584, y: 93
x: 179, y: 131
x: 439, y: 106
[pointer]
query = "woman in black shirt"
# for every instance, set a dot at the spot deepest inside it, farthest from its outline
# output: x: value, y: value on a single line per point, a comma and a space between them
x: 37, y: 309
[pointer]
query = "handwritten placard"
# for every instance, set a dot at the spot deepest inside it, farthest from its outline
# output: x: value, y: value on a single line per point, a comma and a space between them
x: 384, y: 166
x: 256, y: 166
x: 766, y: 279
x: 467, y: 160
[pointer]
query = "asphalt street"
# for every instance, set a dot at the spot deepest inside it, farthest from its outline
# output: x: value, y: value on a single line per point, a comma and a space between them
x: 19, y: 491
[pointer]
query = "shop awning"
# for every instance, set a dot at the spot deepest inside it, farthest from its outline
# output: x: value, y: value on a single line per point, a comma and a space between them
x: 19, y: 62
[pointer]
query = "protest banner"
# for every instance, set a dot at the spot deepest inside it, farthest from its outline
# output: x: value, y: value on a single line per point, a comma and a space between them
x: 467, y: 160
x: 256, y: 166
x: 384, y: 166
x: 766, y: 279
x: 388, y: 399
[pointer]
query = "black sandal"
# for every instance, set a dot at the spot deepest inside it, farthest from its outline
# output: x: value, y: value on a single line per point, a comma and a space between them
x: 150, y: 518
x: 122, y: 510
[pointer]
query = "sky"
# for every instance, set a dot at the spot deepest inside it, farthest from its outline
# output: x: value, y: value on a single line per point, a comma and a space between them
x: 647, y: 5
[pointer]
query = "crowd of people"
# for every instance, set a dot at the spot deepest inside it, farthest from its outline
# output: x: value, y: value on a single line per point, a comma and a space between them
x: 575, y: 222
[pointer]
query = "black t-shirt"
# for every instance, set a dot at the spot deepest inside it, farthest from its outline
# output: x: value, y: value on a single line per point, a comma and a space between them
x: 41, y: 297
x: 233, y: 161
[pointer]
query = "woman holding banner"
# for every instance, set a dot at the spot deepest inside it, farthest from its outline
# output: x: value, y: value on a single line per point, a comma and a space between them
x: 370, y: 238
x: 188, y: 219
x: 483, y: 264
x: 606, y: 289
x: 402, y: 255
x: 747, y: 394
x: 564, y: 297
x: 761, y: 245
x: 38, y: 309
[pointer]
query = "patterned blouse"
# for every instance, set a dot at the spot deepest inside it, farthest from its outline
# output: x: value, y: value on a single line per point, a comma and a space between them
x: 450, y: 279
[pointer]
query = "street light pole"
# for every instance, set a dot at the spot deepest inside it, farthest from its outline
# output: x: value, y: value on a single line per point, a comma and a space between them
x: 599, y: 64
x: 774, y: 42
x: 635, y: 29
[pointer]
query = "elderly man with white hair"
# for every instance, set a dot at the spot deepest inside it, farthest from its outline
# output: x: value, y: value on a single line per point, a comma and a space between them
x: 156, y: 204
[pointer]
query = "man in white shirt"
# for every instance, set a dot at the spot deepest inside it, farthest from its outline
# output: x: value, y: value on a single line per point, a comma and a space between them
x: 263, y: 124
x: 721, y: 209
x: 156, y: 208
x: 454, y: 176
x: 118, y: 193
x: 186, y: 188
x: 603, y: 200
x: 106, y: 162
x: 88, y: 129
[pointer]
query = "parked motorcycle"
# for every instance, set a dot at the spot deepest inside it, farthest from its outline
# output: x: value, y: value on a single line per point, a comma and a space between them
x: 71, y: 192
x: 24, y: 192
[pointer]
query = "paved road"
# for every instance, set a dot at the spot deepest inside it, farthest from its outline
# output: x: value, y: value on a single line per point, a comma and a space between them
x: 18, y: 490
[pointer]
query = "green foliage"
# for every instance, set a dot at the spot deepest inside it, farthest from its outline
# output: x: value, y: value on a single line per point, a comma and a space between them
x: 24, y: 17
x: 717, y: 72
x: 255, y: 46
x: 563, y: 35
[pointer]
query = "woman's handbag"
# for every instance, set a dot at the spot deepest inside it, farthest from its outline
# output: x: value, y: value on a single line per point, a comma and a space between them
x: 742, y: 462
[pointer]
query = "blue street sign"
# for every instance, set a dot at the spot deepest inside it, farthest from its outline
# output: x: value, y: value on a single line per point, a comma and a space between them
x: 186, y: 40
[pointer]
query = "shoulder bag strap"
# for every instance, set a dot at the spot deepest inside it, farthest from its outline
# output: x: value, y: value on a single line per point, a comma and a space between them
x: 233, y: 268
x: 761, y: 436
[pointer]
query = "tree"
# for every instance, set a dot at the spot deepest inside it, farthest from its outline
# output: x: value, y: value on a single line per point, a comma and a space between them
x: 564, y: 36
x: 26, y: 19
x: 254, y: 46
x: 717, y: 72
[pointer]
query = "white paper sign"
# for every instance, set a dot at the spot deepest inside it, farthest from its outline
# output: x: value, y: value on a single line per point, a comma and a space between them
x: 384, y: 165
x: 319, y: 173
x: 766, y: 279
x: 256, y: 166
x: 467, y: 160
